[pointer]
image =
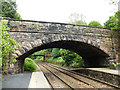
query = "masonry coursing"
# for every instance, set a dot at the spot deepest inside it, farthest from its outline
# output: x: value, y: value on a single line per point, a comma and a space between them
x: 31, y: 34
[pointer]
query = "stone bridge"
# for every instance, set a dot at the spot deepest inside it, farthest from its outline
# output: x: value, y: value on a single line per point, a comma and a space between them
x: 94, y: 44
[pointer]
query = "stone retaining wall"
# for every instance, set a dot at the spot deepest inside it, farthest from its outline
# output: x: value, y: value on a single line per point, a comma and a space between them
x: 107, y: 77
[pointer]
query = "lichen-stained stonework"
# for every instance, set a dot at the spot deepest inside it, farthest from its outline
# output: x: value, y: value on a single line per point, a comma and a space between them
x: 33, y: 34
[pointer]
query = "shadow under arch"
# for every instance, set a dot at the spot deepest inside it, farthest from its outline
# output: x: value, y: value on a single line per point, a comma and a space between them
x: 92, y: 56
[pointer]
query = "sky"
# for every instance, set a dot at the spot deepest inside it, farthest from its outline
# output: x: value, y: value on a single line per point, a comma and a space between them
x: 60, y: 10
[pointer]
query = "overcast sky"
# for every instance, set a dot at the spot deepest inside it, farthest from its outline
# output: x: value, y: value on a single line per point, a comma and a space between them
x: 59, y: 10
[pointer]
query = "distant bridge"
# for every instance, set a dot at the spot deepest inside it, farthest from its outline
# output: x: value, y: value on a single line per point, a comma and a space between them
x: 96, y: 45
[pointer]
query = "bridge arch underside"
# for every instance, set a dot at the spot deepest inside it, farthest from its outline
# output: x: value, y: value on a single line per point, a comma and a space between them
x: 92, y: 56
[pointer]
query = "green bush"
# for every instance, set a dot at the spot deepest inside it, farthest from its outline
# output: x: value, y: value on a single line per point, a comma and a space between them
x: 77, y: 62
x: 60, y: 61
x: 75, y: 65
x: 50, y: 59
x: 39, y: 59
x: 0, y: 62
x: 29, y: 65
x: 55, y: 52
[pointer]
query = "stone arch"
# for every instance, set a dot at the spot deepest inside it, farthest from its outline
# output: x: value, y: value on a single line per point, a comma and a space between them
x: 96, y: 43
x: 89, y: 50
x: 38, y: 42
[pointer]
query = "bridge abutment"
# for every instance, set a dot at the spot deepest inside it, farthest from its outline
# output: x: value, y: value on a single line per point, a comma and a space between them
x: 116, y: 41
x: 19, y: 66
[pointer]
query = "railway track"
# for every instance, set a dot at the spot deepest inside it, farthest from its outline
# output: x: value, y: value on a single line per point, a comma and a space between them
x: 68, y: 79
x: 53, y: 80
x: 83, y: 76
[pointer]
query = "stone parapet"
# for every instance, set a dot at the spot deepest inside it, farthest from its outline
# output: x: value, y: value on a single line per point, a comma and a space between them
x: 52, y: 27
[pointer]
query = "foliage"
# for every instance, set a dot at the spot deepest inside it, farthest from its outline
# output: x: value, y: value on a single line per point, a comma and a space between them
x: 39, y: 58
x: 7, y: 45
x: 114, y: 2
x: 29, y: 65
x: 118, y: 66
x: 9, y: 9
x: 113, y: 22
x: 76, y: 18
x: 0, y: 61
x: 67, y: 55
x: 77, y: 62
x: 42, y: 52
x: 95, y: 23
x: 60, y: 61
x: 51, y: 59
x: 55, y: 52
x: 80, y: 22
x: 70, y: 58
x: 60, y: 57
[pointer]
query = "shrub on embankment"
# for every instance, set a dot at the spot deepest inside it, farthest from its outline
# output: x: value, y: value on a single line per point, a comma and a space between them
x: 30, y: 65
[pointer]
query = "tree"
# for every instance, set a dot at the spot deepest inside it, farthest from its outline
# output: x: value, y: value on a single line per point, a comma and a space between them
x: 95, y: 23
x: 67, y: 56
x: 55, y: 52
x: 76, y: 18
x: 114, y: 2
x: 6, y: 45
x: 71, y: 58
x: 9, y: 10
x: 113, y: 22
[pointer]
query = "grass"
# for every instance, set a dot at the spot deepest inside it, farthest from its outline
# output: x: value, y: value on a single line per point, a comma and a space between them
x: 30, y: 65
